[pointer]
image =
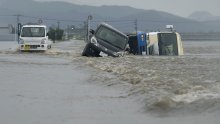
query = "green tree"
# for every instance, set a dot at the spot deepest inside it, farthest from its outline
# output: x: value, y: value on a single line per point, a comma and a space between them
x: 55, y: 34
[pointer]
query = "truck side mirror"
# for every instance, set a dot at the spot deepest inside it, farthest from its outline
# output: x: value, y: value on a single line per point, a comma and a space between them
x: 92, y: 31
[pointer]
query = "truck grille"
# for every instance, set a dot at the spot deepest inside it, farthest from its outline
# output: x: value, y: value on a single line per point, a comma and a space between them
x: 32, y: 46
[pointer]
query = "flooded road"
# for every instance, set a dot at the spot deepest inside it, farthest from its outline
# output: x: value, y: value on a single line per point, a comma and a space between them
x: 61, y: 86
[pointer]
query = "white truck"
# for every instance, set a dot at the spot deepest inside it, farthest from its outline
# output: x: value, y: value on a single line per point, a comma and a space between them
x: 34, y: 38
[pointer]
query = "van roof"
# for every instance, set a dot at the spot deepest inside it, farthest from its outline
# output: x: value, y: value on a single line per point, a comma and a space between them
x: 153, y: 33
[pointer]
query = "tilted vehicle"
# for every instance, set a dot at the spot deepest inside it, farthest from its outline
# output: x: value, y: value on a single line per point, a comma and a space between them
x: 106, y: 39
x: 165, y: 43
x: 34, y: 37
x: 138, y: 43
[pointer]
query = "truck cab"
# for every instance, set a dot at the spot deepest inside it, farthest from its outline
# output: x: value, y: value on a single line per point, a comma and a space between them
x: 107, y: 40
x: 34, y: 38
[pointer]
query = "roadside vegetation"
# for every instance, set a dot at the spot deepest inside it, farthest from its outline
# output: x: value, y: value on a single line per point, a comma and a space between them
x: 55, y: 34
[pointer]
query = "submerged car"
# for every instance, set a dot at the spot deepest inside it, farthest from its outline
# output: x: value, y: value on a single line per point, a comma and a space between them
x: 106, y: 39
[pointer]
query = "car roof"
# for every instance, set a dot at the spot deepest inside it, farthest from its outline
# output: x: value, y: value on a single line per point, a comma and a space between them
x: 112, y: 28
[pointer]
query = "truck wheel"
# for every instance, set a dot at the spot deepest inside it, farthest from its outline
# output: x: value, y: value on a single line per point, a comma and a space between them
x: 48, y: 47
x: 91, y: 51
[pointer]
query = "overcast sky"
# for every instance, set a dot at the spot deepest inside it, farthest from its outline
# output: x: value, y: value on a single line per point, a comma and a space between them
x: 178, y: 7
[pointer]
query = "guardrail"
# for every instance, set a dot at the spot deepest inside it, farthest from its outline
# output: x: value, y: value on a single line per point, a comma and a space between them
x: 201, y: 36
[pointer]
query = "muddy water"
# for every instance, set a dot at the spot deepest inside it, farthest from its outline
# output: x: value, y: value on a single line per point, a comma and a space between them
x: 189, y: 83
x: 52, y: 88
x: 184, y: 88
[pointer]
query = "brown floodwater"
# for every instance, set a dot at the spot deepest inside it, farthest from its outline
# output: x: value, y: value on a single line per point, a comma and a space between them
x: 129, y: 89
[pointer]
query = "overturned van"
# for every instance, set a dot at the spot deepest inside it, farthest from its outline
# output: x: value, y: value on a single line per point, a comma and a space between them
x: 165, y: 43
x: 107, y: 40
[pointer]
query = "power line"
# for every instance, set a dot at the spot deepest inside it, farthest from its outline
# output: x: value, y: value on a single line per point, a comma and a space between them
x: 7, y: 15
x: 113, y: 21
x: 43, y: 18
x: 53, y: 19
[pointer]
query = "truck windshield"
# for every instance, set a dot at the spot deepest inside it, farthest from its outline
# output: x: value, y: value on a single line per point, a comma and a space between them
x: 111, y: 37
x: 33, y: 32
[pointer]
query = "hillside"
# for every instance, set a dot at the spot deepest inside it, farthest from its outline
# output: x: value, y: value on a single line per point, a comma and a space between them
x: 122, y: 17
x: 203, y: 16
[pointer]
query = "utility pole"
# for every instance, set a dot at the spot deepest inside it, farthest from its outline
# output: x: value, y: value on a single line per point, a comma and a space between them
x: 136, y: 25
x: 58, y: 25
x: 88, y: 27
x: 57, y: 31
x: 68, y: 31
x: 16, y: 29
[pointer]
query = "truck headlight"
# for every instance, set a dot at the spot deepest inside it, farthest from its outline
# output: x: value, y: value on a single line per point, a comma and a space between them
x: 94, y: 41
x: 43, y: 41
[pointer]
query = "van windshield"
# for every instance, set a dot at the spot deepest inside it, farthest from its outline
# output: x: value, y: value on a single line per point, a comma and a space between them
x: 112, y: 37
x: 168, y: 44
x: 33, y: 32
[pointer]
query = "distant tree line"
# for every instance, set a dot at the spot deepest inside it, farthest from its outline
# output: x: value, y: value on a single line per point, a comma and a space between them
x: 55, y: 34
